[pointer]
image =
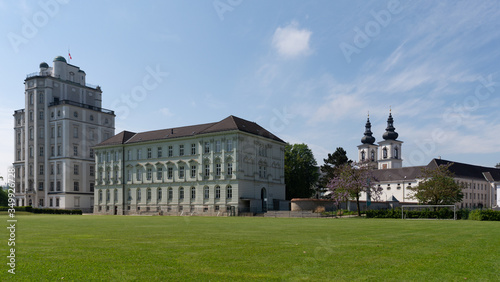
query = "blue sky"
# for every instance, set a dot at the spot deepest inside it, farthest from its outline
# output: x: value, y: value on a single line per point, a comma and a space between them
x: 307, y: 71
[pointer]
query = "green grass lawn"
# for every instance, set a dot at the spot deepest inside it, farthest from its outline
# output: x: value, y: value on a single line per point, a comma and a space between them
x: 88, y: 247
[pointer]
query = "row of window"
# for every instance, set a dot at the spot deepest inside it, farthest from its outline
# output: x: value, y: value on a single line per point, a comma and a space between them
x: 56, y: 186
x: 170, y: 172
x: 170, y: 193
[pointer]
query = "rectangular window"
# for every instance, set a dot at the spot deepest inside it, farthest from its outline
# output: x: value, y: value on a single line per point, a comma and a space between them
x: 58, y: 169
x: 193, y: 171
x: 159, y: 152
x: 193, y: 149
x: 207, y: 170
x: 76, y: 169
x: 41, y: 133
x: 229, y: 145
x: 181, y: 172
x: 52, y: 186
x: 58, y: 186
x: 229, y: 192
x: 59, y: 150
x: 181, y: 150
x: 40, y: 151
x: 129, y: 155
x: 76, y: 186
x: 149, y: 174
x: 40, y: 115
x: 150, y: 154
x: 91, y: 153
x: 41, y: 170
x: 206, y: 193
x: 129, y: 175
x: 218, y: 146
x: 52, y: 132
x: 229, y: 169
x: 170, y: 151
x: 207, y: 147
x: 40, y: 186
x: 91, y: 170
x: 75, y: 150
x: 217, y: 169
x: 139, y: 154
x: 159, y: 173
x: 75, y: 132
x: 170, y: 173
x: 138, y: 174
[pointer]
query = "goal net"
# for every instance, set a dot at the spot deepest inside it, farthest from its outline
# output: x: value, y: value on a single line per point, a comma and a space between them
x: 429, y: 212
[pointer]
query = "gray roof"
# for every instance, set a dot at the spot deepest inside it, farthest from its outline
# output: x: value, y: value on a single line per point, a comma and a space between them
x: 228, y: 124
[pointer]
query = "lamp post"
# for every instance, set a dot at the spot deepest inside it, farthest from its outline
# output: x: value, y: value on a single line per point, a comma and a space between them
x: 404, y: 188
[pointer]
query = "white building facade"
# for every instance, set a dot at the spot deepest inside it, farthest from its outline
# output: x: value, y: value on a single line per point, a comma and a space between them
x: 480, y: 183
x: 54, y: 135
x: 223, y: 168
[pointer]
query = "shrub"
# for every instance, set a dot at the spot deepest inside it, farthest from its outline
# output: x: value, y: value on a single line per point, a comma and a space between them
x: 490, y: 215
x: 319, y: 209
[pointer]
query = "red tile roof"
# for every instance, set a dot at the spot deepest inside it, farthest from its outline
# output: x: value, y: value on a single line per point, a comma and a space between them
x: 228, y: 124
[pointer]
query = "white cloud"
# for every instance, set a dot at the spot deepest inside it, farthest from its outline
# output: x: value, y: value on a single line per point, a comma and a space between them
x: 290, y: 41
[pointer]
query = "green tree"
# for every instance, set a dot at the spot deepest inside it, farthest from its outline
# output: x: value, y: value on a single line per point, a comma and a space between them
x: 335, y: 160
x: 438, y: 187
x: 4, y: 197
x: 301, y: 171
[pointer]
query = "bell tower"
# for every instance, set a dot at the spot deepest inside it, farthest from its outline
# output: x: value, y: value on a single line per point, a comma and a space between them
x: 368, y: 151
x: 390, y: 147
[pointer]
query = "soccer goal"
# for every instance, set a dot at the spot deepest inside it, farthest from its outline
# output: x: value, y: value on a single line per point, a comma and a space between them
x: 429, y: 212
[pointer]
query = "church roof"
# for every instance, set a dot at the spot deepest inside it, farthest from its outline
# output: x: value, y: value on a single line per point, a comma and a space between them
x: 468, y: 170
x: 230, y: 123
x: 461, y: 170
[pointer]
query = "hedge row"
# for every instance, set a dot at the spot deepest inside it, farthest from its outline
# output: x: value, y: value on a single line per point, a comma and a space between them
x: 44, y: 211
x: 444, y: 213
x: 489, y: 215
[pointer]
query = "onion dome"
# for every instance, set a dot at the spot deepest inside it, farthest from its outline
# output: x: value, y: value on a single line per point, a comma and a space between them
x: 389, y: 133
x: 368, y: 138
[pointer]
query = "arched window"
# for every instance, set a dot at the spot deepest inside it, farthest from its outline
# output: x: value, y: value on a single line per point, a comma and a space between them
x: 170, y: 193
x: 206, y: 192
x: 372, y: 157
x: 396, y: 153
x: 384, y: 153
x: 229, y: 192
x: 115, y: 196
x: 181, y: 193
x: 362, y: 155
x: 159, y: 194
x: 193, y: 193
x: 217, y: 192
x: 139, y: 196
x: 108, y: 195
x: 100, y: 195
x: 148, y: 194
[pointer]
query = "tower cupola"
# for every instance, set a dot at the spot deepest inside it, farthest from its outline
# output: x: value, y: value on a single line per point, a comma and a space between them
x: 368, y: 138
x: 389, y: 133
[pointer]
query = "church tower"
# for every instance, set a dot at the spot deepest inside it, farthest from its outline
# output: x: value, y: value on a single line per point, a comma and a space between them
x: 368, y: 151
x: 390, y: 148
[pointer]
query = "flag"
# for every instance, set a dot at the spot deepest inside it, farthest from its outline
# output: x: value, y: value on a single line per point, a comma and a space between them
x: 69, y: 54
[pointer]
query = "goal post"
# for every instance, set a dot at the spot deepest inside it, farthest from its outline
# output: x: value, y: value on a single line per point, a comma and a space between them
x: 432, y: 210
